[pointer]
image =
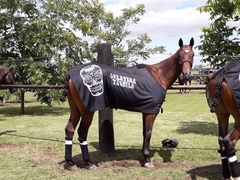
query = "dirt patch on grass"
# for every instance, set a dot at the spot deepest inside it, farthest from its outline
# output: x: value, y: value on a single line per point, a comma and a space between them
x: 9, y: 146
x: 136, y: 163
x: 50, y: 155
x: 8, y: 104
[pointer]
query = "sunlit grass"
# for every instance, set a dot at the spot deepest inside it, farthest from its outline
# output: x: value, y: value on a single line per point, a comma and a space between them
x: 32, y: 145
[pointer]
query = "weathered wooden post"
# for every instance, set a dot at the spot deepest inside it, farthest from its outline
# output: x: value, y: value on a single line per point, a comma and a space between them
x: 105, y: 117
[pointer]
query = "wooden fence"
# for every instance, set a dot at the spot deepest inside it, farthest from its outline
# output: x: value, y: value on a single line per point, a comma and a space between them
x: 23, y: 86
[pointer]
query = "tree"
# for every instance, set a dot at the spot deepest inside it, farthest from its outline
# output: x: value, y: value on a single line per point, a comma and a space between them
x: 40, y: 38
x: 114, y: 30
x: 220, y: 41
x: 33, y: 39
x: 198, y: 67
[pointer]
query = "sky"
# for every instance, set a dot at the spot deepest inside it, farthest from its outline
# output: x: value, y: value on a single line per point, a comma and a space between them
x: 165, y: 22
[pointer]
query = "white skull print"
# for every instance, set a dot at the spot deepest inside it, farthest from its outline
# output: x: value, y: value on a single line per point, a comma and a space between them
x: 93, y: 78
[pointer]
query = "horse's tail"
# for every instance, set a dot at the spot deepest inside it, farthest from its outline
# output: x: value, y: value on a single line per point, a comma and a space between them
x: 218, y: 84
x: 66, y: 88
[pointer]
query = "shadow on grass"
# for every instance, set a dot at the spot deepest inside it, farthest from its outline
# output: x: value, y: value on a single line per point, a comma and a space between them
x: 7, y: 132
x: 213, y: 172
x: 165, y: 155
x: 200, y: 127
x: 122, y: 157
x: 129, y: 156
x: 34, y: 111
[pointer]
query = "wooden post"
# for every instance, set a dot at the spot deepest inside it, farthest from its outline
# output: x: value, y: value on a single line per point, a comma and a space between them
x: 22, y: 101
x: 105, y: 117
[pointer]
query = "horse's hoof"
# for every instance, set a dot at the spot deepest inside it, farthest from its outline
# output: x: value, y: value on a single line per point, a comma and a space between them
x: 91, y: 167
x: 72, y: 167
x: 231, y: 178
x: 148, y: 165
x: 235, y: 178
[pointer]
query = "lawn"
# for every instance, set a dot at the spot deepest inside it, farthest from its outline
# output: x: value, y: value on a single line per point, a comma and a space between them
x: 32, y: 145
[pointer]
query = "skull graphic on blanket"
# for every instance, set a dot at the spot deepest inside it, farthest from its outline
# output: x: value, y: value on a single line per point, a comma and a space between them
x: 93, y: 79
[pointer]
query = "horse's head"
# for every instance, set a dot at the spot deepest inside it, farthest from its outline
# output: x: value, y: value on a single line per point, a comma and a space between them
x: 185, y: 57
x: 6, y: 77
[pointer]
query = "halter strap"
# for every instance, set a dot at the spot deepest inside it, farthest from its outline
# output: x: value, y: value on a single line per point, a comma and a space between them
x: 185, y: 61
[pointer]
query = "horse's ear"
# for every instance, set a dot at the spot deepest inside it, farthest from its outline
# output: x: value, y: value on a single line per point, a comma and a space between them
x: 180, y: 42
x: 191, y: 42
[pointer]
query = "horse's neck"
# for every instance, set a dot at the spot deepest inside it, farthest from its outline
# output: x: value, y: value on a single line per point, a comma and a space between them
x: 2, y: 74
x: 166, y: 72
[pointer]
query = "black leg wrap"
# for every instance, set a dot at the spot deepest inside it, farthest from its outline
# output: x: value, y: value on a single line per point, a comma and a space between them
x: 68, y: 150
x: 85, y: 153
x: 235, y: 168
x: 225, y: 166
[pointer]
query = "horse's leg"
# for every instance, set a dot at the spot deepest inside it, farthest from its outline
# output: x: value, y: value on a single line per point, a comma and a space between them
x: 148, y: 121
x: 181, y: 90
x: 190, y: 83
x: 69, y: 131
x: 185, y: 85
x: 231, y: 139
x: 82, y: 137
x: 223, y: 121
x: 85, y: 123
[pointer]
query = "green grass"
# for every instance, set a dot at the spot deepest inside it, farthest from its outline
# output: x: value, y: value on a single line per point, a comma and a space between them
x: 32, y: 145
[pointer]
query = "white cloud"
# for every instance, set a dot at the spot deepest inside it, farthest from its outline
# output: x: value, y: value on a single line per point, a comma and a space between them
x: 165, y: 21
x: 171, y: 23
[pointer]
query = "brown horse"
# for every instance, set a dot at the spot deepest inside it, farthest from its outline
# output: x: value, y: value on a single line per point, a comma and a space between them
x: 6, y: 77
x: 222, y: 92
x: 162, y: 76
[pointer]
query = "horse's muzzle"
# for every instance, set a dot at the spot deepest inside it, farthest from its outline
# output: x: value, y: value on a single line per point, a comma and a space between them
x: 186, y: 75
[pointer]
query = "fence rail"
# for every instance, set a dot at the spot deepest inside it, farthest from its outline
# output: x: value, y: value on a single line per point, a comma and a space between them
x: 22, y: 86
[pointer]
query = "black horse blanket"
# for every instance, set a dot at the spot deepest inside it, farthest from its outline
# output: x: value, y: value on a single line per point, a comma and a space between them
x: 132, y: 89
x: 231, y: 73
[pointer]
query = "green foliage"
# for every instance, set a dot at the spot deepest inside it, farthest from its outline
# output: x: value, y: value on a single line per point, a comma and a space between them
x: 6, y: 94
x: 114, y: 30
x: 43, y: 39
x: 220, y: 42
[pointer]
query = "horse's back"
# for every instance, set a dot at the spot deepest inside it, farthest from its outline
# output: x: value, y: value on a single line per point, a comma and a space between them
x: 75, y: 100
